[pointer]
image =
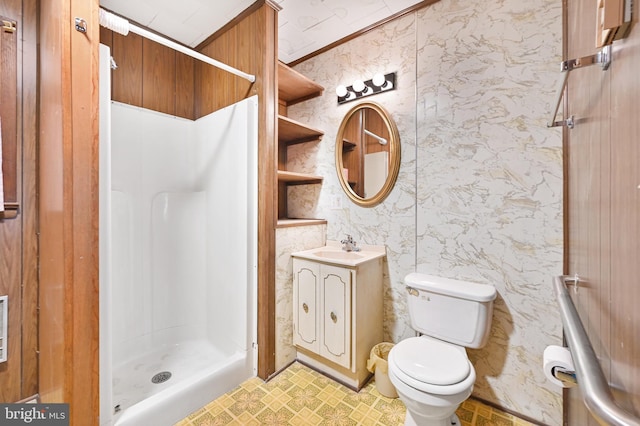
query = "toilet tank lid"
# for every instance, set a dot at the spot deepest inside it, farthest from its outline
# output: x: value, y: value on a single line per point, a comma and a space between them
x: 450, y: 287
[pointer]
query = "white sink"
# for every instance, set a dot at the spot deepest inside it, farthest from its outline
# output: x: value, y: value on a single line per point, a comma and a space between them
x: 333, y: 253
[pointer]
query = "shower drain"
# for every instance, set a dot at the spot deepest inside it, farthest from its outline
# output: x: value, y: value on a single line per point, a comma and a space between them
x: 161, y: 377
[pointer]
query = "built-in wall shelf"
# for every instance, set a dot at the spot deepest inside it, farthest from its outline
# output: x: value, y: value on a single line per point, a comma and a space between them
x: 289, y: 223
x: 295, y: 178
x: 292, y: 132
x: 347, y: 145
x: 294, y: 87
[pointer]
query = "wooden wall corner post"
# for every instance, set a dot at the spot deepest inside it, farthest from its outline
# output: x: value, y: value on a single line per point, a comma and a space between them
x: 268, y: 201
x: 29, y: 203
x: 85, y: 64
x: 68, y: 208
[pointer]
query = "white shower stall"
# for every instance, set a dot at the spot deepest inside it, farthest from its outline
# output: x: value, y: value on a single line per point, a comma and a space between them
x: 178, y: 253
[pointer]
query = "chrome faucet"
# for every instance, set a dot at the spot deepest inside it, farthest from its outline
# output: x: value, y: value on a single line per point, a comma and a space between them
x: 349, y: 245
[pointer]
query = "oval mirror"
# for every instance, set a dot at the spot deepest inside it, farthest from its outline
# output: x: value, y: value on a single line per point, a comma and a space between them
x: 367, y: 154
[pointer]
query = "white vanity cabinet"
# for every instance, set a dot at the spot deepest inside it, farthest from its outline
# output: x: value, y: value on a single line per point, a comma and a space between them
x: 322, y: 310
x: 337, y: 312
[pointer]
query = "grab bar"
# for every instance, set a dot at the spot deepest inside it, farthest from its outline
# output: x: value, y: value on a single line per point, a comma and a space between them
x: 593, y: 385
x: 603, y: 57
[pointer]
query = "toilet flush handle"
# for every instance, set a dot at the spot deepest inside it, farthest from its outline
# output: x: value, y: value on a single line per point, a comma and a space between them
x: 412, y: 291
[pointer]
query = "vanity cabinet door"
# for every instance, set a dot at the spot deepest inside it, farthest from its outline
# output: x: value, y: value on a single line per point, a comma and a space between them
x: 306, y: 278
x: 335, y: 318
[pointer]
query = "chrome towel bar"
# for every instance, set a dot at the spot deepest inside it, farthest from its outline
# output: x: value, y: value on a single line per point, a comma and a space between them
x: 591, y: 381
x: 603, y: 57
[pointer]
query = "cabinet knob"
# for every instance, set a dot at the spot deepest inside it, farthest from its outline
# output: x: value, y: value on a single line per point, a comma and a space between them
x: 334, y: 317
x: 305, y: 307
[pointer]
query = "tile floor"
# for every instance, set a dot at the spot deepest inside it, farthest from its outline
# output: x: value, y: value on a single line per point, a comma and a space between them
x: 301, y: 396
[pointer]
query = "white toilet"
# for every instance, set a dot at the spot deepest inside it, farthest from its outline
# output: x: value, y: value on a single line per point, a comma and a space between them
x: 432, y: 373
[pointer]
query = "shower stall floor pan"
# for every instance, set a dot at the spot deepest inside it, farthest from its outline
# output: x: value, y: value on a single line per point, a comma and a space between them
x: 198, y: 373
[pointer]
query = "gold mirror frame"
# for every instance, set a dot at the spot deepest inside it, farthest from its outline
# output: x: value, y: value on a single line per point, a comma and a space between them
x: 394, y: 155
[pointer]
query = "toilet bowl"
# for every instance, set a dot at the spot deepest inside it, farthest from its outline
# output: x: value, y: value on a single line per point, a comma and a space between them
x: 432, y: 373
x: 432, y: 378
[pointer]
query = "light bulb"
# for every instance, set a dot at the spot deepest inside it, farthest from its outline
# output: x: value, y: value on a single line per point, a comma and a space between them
x: 341, y: 91
x: 379, y: 80
x: 358, y: 86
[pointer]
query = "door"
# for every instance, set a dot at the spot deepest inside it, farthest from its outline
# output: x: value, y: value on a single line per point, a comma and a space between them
x: 306, y: 277
x: 335, y: 320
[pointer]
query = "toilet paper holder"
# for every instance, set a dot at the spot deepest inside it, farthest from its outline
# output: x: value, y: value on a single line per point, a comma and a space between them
x: 564, y: 375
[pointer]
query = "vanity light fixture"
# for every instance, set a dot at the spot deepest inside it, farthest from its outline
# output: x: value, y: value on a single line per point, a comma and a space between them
x: 360, y: 89
x: 342, y: 92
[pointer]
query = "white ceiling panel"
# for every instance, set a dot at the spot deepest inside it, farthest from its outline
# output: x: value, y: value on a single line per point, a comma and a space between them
x: 187, y: 21
x: 289, y: 46
x: 346, y: 17
x: 304, y: 14
x: 352, y: 12
x: 141, y: 11
x: 304, y: 25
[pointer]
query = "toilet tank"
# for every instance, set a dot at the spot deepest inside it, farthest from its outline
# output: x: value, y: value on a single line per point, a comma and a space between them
x: 455, y: 311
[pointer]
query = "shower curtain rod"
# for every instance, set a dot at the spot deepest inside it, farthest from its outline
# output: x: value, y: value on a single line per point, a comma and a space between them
x: 380, y: 139
x: 122, y: 26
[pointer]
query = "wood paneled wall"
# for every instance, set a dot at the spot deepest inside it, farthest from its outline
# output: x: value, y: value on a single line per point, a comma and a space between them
x: 353, y: 158
x: 374, y: 123
x: 68, y: 208
x: 18, y: 242
x: 150, y: 75
x: 250, y: 44
x: 603, y: 200
x: 242, y: 46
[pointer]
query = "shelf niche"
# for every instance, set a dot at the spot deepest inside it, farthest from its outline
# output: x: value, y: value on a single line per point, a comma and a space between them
x: 293, y: 88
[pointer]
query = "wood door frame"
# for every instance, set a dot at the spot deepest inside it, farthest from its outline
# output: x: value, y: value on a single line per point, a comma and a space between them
x: 18, y: 234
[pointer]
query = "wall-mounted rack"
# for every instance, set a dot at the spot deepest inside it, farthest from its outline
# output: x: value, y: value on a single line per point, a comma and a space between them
x: 603, y: 58
x: 614, y: 19
x: 9, y: 146
x: 10, y: 211
x: 3, y: 327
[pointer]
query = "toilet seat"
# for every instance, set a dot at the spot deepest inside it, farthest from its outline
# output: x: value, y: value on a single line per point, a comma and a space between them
x: 432, y: 366
x: 432, y: 361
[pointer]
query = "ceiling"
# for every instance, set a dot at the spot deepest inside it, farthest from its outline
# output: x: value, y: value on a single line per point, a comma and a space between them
x: 304, y: 26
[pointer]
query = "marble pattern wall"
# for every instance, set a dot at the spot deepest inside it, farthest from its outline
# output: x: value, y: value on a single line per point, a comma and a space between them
x: 479, y: 194
x: 490, y: 203
x: 393, y: 221
x: 290, y: 240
